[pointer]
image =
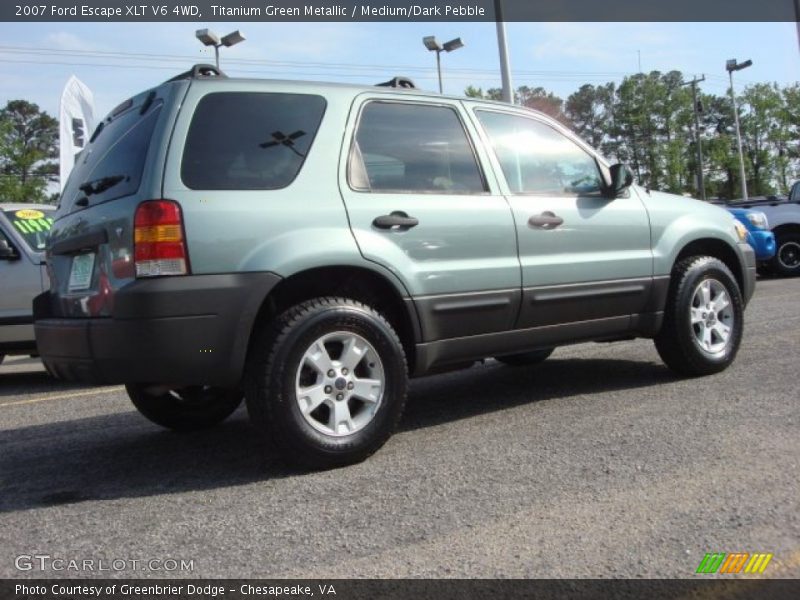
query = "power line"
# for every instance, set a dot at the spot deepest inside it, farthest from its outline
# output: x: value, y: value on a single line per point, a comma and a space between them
x: 468, y: 78
x: 282, y: 63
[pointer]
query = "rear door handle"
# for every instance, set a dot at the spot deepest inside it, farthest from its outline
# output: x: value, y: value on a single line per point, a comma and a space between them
x: 546, y: 220
x: 397, y: 219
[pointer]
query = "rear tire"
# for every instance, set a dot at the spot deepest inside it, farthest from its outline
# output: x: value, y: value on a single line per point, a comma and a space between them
x: 526, y: 359
x: 786, y: 261
x: 184, y: 409
x: 703, y: 320
x: 326, y: 382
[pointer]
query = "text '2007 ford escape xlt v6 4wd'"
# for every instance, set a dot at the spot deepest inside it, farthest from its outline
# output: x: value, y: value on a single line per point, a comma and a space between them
x: 310, y: 246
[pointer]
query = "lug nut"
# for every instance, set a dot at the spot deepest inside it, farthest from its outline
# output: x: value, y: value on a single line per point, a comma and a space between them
x: 331, y: 373
x: 344, y: 371
x: 340, y: 396
x: 328, y: 389
x: 350, y: 386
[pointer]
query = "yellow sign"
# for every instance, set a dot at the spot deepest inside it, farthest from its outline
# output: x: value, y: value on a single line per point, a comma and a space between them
x: 29, y: 213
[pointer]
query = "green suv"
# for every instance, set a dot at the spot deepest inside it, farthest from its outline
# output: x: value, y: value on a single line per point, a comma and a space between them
x: 309, y: 247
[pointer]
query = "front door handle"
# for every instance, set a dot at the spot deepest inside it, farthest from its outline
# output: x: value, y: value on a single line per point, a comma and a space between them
x: 398, y: 219
x: 546, y: 220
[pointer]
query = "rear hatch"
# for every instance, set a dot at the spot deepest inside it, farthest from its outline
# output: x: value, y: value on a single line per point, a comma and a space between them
x: 90, y: 248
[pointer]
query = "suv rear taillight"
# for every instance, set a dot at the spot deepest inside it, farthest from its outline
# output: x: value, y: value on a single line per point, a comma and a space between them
x: 159, y: 243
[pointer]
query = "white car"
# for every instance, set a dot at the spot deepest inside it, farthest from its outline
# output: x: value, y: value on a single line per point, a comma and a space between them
x: 23, y: 232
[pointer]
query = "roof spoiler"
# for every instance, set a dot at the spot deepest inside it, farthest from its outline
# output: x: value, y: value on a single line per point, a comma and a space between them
x: 199, y: 72
x: 398, y: 82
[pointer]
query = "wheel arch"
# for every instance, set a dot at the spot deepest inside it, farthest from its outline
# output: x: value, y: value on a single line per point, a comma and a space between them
x: 787, y: 228
x: 374, y: 288
x: 718, y: 249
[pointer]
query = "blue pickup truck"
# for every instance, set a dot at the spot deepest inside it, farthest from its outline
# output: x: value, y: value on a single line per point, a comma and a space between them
x: 758, y: 234
x: 782, y: 216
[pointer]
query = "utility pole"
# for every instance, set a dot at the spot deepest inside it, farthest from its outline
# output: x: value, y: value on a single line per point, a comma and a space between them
x: 698, y: 144
x: 731, y: 66
x: 505, y: 71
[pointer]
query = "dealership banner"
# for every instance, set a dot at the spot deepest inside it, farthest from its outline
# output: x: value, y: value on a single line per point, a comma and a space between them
x: 397, y: 10
x: 76, y: 123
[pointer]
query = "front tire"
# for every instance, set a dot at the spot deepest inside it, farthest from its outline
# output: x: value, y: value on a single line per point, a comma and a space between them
x: 184, y: 409
x: 326, y: 382
x: 703, y: 320
x: 786, y: 261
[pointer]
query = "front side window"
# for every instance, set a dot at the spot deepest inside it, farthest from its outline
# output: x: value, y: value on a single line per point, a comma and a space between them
x: 537, y: 159
x: 249, y: 140
x: 413, y: 148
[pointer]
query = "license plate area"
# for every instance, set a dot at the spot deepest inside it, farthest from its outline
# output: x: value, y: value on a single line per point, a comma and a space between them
x: 80, y: 274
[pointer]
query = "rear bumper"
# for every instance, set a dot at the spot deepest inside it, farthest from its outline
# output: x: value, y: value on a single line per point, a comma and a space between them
x: 173, y: 330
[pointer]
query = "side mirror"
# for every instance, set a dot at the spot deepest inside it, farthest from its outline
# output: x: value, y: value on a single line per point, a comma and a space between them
x: 794, y: 195
x: 7, y: 252
x: 621, y: 179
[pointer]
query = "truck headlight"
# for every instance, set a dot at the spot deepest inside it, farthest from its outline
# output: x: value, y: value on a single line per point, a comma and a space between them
x: 758, y: 220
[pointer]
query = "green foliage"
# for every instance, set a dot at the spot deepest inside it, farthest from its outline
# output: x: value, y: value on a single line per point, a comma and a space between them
x: 28, y: 152
x: 647, y: 121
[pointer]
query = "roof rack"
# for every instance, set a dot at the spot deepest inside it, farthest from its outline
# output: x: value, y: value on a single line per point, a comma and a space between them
x: 398, y: 82
x: 201, y: 71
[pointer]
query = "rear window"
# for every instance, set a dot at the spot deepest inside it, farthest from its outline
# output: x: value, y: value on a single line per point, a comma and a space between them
x: 111, y: 166
x: 415, y: 147
x: 249, y: 140
x: 32, y: 225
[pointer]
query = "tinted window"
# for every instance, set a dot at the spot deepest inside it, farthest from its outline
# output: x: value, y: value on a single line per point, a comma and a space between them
x: 537, y: 159
x: 249, y: 141
x: 33, y: 226
x: 414, y: 147
x: 115, y: 155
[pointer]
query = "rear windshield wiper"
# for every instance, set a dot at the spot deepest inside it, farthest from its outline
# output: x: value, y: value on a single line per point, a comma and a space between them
x: 100, y: 185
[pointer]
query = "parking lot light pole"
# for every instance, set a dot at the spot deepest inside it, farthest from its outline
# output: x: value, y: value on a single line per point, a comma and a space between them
x: 209, y: 38
x: 434, y: 46
x: 502, y: 44
x: 797, y: 19
x: 732, y: 66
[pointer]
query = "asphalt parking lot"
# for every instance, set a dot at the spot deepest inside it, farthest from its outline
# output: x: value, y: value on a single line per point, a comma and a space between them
x: 597, y: 463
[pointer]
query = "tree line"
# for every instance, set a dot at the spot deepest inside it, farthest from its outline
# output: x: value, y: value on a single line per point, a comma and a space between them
x: 647, y: 121
x: 28, y: 153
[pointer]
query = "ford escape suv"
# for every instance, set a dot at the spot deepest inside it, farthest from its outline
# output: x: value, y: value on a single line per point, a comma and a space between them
x: 309, y: 247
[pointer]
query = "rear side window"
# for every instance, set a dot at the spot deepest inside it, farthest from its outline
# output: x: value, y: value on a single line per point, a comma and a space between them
x: 413, y: 148
x: 249, y: 140
x: 111, y: 165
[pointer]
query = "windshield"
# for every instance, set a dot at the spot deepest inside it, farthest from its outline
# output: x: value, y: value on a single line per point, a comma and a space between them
x: 33, y: 225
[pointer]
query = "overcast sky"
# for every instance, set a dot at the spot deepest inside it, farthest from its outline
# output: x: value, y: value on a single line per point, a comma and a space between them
x: 36, y: 59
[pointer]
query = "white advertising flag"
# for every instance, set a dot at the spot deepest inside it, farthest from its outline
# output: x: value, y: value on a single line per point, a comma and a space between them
x: 76, y: 124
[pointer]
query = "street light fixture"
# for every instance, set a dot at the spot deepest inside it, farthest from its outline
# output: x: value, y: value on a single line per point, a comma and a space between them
x: 209, y: 38
x: 431, y: 44
x: 732, y: 66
